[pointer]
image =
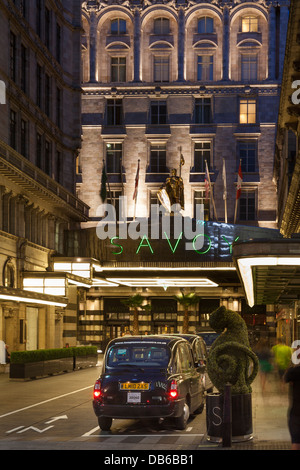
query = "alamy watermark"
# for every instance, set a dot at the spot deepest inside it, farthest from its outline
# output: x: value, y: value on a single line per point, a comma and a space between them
x: 160, y: 225
x: 2, y: 92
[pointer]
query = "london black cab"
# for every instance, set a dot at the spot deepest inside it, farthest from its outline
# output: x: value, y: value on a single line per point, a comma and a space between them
x: 199, y: 351
x: 148, y: 377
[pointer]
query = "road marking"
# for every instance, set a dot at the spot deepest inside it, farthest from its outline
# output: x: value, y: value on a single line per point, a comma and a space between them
x: 14, y: 430
x: 33, y: 428
x: 45, y: 401
x: 189, y: 429
x: 56, y: 419
x: 90, y: 433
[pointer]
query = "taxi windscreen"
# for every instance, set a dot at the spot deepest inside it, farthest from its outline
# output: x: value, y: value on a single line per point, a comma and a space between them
x: 140, y: 355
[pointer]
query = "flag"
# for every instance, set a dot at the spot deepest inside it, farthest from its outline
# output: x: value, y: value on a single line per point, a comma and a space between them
x: 207, y: 182
x: 103, y: 184
x: 239, y: 182
x: 136, y: 181
x: 224, y: 181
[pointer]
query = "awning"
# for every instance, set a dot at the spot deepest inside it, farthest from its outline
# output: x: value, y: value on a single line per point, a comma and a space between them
x: 19, y: 295
x: 269, y: 270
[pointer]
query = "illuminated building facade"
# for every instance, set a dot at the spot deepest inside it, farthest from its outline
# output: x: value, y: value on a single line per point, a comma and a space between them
x: 164, y: 80
x: 40, y: 135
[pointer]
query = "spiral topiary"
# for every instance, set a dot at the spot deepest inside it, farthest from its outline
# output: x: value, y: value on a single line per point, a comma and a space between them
x: 229, y: 356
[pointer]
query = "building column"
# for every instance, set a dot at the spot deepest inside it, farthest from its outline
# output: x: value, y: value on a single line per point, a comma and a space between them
x: 272, y: 44
x: 181, y: 45
x: 137, y: 45
x: 226, y: 42
x: 93, y: 47
x: 284, y: 20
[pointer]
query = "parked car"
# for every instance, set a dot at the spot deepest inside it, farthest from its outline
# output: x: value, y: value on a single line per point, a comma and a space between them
x: 209, y: 337
x: 199, y: 352
x: 148, y: 377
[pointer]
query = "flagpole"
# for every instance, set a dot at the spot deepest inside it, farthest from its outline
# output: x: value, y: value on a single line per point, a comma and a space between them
x: 210, y: 189
x: 136, y: 188
x: 237, y: 198
x: 109, y: 191
x: 225, y: 190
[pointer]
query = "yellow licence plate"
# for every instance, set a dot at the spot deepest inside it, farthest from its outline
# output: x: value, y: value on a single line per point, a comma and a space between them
x: 134, y: 386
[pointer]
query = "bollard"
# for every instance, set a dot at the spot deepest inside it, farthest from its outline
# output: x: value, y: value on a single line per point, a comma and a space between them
x: 227, y: 417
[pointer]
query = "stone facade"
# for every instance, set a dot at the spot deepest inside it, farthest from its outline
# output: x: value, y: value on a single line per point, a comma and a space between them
x: 203, y: 64
x: 40, y: 135
x: 163, y: 79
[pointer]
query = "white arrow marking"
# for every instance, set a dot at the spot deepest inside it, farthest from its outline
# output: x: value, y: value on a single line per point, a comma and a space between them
x: 56, y: 419
x: 15, y: 429
x: 35, y: 429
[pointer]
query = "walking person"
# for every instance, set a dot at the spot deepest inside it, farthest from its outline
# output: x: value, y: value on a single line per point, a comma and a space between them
x: 265, y: 358
x: 282, y: 357
x: 292, y: 377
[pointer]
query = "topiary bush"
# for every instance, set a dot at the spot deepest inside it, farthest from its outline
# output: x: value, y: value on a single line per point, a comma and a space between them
x: 230, y: 355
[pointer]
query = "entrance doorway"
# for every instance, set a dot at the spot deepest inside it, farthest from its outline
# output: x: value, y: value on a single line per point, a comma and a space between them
x: 32, y: 328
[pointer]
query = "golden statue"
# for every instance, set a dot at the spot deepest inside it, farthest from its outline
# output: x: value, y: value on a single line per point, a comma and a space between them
x: 172, y: 192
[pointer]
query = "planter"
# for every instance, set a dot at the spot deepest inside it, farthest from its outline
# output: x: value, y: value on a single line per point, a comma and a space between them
x: 32, y: 370
x: 241, y: 406
x: 81, y: 362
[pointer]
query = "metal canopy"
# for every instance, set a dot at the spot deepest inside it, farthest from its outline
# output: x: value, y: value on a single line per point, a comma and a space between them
x: 269, y: 270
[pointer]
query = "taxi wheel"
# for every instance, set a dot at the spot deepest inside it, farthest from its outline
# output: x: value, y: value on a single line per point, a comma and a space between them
x: 105, y: 423
x: 181, y: 421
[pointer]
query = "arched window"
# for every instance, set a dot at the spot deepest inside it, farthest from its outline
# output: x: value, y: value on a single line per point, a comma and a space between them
x: 8, y: 274
x: 161, y: 26
x: 249, y: 24
x: 206, y: 25
x: 118, y: 26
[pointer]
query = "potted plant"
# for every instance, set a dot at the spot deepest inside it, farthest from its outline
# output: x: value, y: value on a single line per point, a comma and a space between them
x: 186, y: 300
x: 230, y: 361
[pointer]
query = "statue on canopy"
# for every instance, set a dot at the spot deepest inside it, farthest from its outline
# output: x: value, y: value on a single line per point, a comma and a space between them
x: 172, y: 191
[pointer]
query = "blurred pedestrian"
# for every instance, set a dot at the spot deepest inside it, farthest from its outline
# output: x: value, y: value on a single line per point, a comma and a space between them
x: 265, y: 358
x: 292, y: 377
x: 282, y: 357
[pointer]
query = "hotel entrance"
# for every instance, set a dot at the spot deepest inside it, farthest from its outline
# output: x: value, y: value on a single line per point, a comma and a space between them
x: 164, y: 316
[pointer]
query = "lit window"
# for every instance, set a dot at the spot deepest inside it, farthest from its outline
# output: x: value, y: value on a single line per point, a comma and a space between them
x: 249, y: 24
x: 247, y: 111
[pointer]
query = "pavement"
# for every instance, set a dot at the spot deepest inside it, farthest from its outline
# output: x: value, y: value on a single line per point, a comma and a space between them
x: 269, y: 412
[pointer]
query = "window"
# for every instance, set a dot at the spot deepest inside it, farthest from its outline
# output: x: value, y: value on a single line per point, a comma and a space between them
x: 13, y: 130
x: 118, y: 69
x: 205, y: 25
x: 39, y: 85
x: 8, y: 274
x: 114, y: 112
x: 58, y: 106
x: 58, y: 42
x: 113, y: 196
x: 39, y: 17
x: 48, y: 162
x: 47, y: 27
x: 161, y: 26
x: 13, y: 56
x: 247, y: 153
x: 118, y: 26
x: 24, y: 151
x: 158, y: 112
x: 247, y: 205
x: 249, y: 67
x: 247, y: 111
x: 158, y: 157
x: 202, y: 151
x: 249, y: 24
x: 38, y: 150
x: 200, y: 198
x: 47, y: 95
x: 202, y: 110
x: 23, y: 68
x: 161, y: 68
x: 205, y: 68
x: 113, y: 157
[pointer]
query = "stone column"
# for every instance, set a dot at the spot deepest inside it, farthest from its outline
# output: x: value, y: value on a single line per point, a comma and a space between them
x: 272, y: 44
x: 226, y: 42
x: 137, y: 45
x: 181, y: 45
x: 284, y: 19
x: 93, y: 46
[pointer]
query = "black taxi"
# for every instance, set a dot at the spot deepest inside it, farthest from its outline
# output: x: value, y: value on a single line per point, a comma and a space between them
x: 148, y: 377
